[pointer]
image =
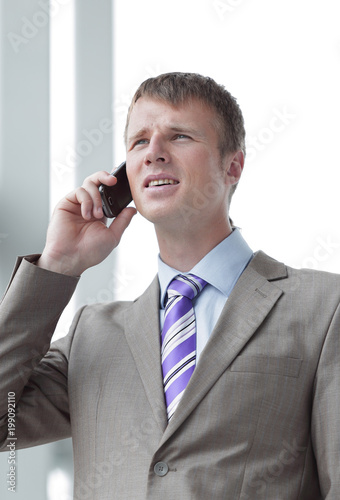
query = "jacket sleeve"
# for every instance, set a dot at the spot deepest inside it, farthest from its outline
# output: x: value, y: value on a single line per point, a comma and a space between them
x: 33, y: 374
x: 326, y: 412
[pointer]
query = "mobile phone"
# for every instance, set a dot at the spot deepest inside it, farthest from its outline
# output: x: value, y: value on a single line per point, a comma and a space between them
x: 116, y: 197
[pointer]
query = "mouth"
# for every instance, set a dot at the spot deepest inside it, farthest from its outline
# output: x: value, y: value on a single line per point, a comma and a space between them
x: 162, y: 182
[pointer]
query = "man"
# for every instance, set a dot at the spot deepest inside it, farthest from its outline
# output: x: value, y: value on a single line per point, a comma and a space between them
x: 251, y: 409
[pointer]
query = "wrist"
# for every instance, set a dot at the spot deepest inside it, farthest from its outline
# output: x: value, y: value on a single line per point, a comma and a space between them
x: 58, y: 265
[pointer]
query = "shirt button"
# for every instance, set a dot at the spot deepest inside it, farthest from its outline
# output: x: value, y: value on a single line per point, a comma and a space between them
x: 161, y: 469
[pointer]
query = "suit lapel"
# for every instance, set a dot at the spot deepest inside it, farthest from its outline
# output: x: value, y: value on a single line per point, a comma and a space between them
x: 250, y: 302
x: 142, y: 332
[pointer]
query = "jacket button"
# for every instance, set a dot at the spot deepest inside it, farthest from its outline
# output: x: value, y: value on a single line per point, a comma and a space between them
x: 161, y: 469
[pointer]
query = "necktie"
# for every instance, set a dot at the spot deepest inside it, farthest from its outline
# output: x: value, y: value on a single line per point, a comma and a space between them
x: 179, y: 338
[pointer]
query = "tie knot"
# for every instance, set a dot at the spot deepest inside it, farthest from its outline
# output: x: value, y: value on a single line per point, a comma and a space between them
x: 187, y: 285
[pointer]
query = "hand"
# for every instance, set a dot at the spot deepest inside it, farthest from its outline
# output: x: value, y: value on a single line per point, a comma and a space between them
x: 77, y: 237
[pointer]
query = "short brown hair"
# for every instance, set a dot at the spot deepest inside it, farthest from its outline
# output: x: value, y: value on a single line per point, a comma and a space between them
x: 178, y: 88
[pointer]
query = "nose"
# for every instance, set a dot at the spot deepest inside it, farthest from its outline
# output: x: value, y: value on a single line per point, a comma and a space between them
x: 156, y: 152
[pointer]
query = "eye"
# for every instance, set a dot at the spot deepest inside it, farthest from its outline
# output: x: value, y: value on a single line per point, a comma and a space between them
x: 181, y: 136
x: 140, y: 142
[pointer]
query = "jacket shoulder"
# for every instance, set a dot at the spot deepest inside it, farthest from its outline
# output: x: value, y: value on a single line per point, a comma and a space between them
x: 302, y: 282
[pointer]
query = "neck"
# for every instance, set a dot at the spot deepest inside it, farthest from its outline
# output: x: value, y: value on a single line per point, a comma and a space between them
x: 182, y: 250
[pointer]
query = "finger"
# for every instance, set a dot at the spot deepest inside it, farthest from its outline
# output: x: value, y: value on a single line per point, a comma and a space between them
x: 81, y: 197
x: 101, y: 177
x: 91, y: 185
x: 121, y: 222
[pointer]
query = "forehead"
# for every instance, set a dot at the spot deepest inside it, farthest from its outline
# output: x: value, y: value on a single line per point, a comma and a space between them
x: 149, y: 113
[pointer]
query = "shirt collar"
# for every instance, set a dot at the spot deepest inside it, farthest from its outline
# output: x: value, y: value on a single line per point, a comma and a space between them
x: 221, y: 267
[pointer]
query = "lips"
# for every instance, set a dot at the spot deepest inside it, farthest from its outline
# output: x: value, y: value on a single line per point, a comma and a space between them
x: 160, y: 180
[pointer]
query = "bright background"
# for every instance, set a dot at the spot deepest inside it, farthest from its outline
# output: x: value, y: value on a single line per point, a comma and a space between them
x: 280, y: 59
x: 274, y: 57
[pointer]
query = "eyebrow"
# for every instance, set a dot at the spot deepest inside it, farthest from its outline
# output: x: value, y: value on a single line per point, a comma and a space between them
x: 185, y: 129
x: 137, y: 135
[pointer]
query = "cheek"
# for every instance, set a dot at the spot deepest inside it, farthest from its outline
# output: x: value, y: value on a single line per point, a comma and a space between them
x: 202, y: 175
x: 132, y: 176
x: 133, y: 187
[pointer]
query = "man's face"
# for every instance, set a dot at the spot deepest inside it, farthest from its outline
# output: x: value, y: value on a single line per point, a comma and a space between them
x: 174, y: 167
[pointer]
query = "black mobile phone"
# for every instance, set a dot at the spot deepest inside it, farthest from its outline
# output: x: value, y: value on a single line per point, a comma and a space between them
x: 116, y: 197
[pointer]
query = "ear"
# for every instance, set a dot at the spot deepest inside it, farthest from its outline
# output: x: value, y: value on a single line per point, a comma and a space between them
x: 234, y: 167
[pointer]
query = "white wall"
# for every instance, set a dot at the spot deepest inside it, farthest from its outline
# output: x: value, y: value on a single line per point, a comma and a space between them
x: 280, y: 59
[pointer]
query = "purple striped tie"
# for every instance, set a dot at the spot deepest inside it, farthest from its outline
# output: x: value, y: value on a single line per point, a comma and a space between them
x: 179, y: 338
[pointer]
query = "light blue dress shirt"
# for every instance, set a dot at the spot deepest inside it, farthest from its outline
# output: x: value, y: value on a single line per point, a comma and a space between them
x: 220, y: 268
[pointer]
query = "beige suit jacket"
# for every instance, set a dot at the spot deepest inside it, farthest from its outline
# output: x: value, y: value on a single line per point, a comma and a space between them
x: 260, y: 416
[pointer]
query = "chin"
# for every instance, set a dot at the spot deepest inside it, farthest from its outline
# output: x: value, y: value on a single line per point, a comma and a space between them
x: 151, y: 209
x: 157, y: 215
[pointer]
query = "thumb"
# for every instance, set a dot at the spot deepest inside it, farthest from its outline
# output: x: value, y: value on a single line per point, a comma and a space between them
x: 121, y: 222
